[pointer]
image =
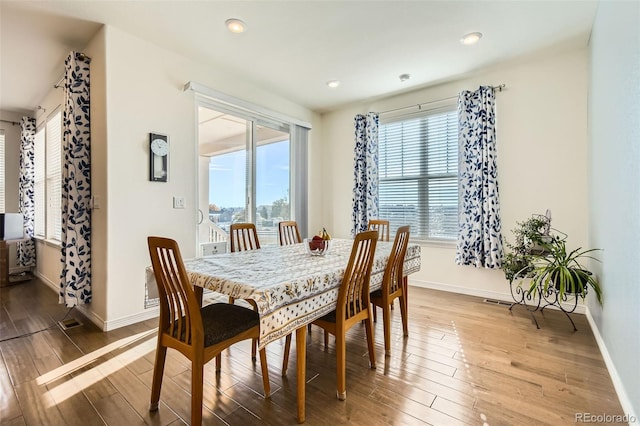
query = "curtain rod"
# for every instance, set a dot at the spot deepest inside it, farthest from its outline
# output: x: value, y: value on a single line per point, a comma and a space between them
x: 81, y: 56
x: 15, y: 123
x: 499, y: 88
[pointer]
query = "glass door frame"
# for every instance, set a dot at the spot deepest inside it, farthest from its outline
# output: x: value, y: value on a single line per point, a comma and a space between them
x: 256, y: 115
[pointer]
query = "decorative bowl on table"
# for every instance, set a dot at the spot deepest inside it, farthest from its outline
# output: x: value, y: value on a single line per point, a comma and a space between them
x: 317, y: 247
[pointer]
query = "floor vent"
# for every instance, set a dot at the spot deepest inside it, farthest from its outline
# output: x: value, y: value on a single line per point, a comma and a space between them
x: 497, y: 302
x: 70, y: 323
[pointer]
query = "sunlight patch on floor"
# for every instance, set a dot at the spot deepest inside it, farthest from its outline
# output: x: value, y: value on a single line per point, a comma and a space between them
x: 59, y: 393
x: 483, y: 416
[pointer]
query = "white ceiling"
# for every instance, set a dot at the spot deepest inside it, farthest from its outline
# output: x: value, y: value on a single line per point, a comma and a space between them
x: 293, y: 47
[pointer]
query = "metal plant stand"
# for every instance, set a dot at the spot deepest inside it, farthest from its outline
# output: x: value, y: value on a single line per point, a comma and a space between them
x: 539, y: 299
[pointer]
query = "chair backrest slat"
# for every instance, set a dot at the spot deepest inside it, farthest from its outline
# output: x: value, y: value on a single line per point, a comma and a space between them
x: 179, y: 309
x: 243, y: 237
x: 354, y: 290
x: 393, y: 274
x: 382, y: 226
x: 289, y: 233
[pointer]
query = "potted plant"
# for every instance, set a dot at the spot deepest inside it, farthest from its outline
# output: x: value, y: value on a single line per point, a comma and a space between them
x: 529, y: 236
x: 541, y: 255
x: 563, y: 270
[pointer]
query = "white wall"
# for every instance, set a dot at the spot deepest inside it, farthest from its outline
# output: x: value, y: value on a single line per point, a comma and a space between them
x: 136, y: 88
x: 614, y: 120
x: 542, y: 156
x: 144, y: 94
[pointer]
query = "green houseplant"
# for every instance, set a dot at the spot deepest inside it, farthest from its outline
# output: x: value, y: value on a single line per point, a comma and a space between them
x: 529, y: 235
x: 541, y: 256
x: 564, y: 270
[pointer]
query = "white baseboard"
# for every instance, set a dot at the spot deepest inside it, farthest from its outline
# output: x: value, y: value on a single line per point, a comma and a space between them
x: 100, y: 322
x: 506, y: 296
x: 625, y: 401
x: 131, y: 319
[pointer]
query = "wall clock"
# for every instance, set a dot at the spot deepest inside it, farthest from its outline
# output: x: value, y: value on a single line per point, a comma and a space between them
x: 158, y: 157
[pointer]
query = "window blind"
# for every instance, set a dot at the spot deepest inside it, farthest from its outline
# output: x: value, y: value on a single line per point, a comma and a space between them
x: 2, y: 180
x: 39, y: 184
x: 54, y: 176
x: 418, y: 174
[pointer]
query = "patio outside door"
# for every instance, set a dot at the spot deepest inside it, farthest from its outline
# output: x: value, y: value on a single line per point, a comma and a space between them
x: 244, y: 175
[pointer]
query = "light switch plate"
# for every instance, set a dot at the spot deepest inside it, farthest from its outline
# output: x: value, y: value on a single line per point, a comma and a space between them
x: 178, y: 202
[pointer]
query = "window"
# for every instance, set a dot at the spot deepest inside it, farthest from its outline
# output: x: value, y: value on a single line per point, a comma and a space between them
x: 248, y: 175
x: 418, y: 173
x: 48, y: 179
x: 2, y: 171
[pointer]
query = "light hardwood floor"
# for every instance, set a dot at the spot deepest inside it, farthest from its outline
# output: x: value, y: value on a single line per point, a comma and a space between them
x: 465, y: 362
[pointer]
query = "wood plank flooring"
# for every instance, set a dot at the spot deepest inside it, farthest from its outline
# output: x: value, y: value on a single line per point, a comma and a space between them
x: 466, y: 362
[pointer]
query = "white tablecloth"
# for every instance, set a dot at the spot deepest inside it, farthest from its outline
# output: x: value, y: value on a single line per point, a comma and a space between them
x: 290, y: 287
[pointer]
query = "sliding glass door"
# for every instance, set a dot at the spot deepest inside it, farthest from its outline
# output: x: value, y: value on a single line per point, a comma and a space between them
x: 244, y: 174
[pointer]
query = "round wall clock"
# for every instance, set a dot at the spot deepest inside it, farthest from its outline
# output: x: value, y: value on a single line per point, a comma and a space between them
x: 158, y: 157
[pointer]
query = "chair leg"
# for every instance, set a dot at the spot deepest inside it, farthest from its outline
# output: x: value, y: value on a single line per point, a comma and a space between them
x: 341, y: 366
x: 374, y: 311
x: 219, y: 362
x: 158, y: 371
x: 254, y: 348
x: 386, y: 319
x: 370, y: 344
x: 326, y: 339
x: 197, y: 389
x: 254, y: 342
x: 404, y: 312
x: 404, y: 306
x: 285, y: 358
x: 265, y: 373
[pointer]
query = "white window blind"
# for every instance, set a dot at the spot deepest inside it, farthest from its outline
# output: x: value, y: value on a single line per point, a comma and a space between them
x: 2, y: 180
x: 54, y: 176
x: 418, y: 174
x: 39, y: 160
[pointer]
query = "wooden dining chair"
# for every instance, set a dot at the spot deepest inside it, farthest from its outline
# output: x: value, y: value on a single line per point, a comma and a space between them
x: 198, y: 333
x: 394, y: 286
x: 380, y: 225
x: 288, y: 233
x: 243, y: 236
x: 353, y: 305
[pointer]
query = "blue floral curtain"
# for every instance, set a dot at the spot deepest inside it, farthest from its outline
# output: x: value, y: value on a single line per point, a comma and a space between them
x: 75, y: 279
x: 479, y: 233
x: 365, y: 189
x: 26, y: 251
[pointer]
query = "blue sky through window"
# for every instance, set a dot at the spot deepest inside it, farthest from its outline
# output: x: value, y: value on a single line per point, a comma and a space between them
x: 227, y: 176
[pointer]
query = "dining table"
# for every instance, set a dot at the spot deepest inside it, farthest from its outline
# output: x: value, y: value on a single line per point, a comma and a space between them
x: 289, y: 287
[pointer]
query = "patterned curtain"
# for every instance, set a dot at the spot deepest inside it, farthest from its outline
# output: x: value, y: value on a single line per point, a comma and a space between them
x: 479, y: 233
x: 75, y: 279
x: 365, y: 189
x: 26, y: 251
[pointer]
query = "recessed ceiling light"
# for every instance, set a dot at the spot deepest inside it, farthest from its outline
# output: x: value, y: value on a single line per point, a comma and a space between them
x: 404, y: 77
x: 471, y: 38
x: 235, y: 25
x: 333, y: 83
